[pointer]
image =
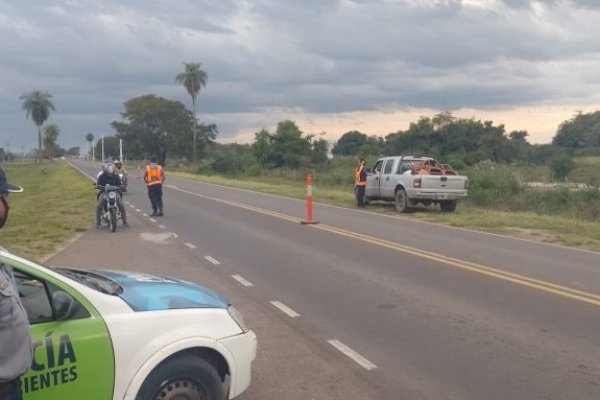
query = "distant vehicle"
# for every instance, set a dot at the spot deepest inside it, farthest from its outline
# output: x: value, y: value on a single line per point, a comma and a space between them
x: 410, y: 180
x: 100, y: 335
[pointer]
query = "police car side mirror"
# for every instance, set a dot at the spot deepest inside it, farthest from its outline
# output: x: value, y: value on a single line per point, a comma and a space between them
x: 62, y: 305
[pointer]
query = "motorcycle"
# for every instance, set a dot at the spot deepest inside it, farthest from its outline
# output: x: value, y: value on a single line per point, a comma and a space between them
x: 110, y: 210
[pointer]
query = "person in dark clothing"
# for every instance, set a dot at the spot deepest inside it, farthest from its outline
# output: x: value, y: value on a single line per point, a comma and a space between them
x: 109, y: 177
x: 154, y: 178
x: 361, y: 183
x: 15, y: 338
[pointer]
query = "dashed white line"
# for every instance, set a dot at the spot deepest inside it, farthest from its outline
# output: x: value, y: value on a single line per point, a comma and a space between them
x: 291, y: 313
x: 212, y: 260
x: 152, y: 219
x: 132, y: 206
x: 357, y: 358
x: 161, y: 226
x: 144, y: 214
x: 242, y: 280
x: 138, y: 210
x: 191, y: 246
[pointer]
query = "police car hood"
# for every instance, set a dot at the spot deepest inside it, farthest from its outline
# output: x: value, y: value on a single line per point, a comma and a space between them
x: 144, y: 292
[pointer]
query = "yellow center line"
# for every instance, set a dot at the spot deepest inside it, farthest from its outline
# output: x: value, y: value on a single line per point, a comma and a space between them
x: 545, y: 286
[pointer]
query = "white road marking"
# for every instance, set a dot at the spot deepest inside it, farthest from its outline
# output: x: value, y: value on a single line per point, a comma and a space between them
x: 285, y: 309
x: 131, y: 205
x: 212, y: 260
x: 144, y: 214
x: 158, y: 238
x: 191, y: 246
x: 152, y: 219
x: 357, y: 358
x: 242, y: 280
x: 161, y: 226
x: 138, y: 210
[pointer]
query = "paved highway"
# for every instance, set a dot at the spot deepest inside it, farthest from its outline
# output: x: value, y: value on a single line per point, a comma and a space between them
x: 365, y: 306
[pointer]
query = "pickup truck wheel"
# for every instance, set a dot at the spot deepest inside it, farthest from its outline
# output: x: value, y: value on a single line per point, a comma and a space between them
x: 448, y: 205
x: 401, y: 201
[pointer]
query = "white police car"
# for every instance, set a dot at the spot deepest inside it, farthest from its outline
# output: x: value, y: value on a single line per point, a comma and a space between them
x: 115, y: 335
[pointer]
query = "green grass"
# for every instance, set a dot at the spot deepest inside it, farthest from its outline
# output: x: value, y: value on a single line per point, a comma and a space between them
x: 57, y: 203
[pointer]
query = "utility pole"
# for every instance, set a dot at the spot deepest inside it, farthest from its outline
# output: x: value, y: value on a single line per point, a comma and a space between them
x: 93, y: 151
x: 121, y: 150
x: 103, y: 149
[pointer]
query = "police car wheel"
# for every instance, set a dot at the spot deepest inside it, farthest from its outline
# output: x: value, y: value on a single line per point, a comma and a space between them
x: 183, y: 378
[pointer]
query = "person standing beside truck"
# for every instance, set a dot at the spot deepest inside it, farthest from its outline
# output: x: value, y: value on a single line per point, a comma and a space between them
x: 360, y: 183
x: 15, y: 338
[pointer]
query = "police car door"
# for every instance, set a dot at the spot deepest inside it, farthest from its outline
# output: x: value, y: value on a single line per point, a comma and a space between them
x: 72, y: 351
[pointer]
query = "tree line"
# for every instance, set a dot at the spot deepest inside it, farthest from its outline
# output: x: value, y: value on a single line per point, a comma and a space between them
x: 153, y: 125
x: 458, y: 141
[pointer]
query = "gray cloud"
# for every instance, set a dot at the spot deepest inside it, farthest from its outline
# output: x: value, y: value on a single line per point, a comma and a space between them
x: 318, y: 56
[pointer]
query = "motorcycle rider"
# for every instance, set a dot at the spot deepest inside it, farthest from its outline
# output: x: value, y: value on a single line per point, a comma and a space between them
x: 120, y: 171
x: 109, y: 177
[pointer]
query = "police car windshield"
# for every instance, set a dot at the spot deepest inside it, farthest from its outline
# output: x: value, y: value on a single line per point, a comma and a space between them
x: 92, y: 280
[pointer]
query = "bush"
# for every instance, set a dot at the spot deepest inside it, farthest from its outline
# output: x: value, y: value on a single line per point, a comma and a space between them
x: 561, y: 166
x: 492, y: 185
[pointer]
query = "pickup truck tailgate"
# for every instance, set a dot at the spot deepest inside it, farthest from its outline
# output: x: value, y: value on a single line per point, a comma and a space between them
x: 442, y: 182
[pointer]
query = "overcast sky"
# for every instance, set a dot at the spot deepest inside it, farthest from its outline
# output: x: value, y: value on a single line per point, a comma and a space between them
x: 331, y: 66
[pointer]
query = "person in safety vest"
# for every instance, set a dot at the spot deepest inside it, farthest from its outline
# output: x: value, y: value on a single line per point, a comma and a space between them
x: 360, y: 180
x: 154, y: 178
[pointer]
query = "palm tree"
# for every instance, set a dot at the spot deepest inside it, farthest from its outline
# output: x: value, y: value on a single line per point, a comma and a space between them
x: 193, y: 78
x: 90, y: 138
x: 51, y: 133
x: 37, y: 105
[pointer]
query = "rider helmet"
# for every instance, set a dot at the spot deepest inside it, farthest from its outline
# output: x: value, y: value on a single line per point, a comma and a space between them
x: 118, y: 164
x: 110, y: 169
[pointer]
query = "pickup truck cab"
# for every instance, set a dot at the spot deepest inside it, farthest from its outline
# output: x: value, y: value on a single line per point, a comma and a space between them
x: 409, y: 180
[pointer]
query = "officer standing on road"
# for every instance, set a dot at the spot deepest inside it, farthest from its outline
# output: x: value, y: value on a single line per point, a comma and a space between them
x: 15, y: 338
x: 154, y: 178
x: 360, y: 183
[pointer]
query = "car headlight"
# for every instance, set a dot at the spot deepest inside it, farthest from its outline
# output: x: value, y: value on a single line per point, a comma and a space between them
x: 238, y: 318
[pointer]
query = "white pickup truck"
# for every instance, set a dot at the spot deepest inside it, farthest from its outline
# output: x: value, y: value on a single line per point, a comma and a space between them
x: 409, y: 180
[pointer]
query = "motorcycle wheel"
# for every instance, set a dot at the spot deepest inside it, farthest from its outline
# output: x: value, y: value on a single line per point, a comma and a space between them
x: 113, y: 220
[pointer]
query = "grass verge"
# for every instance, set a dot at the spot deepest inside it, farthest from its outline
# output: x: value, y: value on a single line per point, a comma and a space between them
x: 57, y: 203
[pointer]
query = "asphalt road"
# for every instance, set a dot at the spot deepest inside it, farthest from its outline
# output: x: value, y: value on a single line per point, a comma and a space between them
x: 364, y: 306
